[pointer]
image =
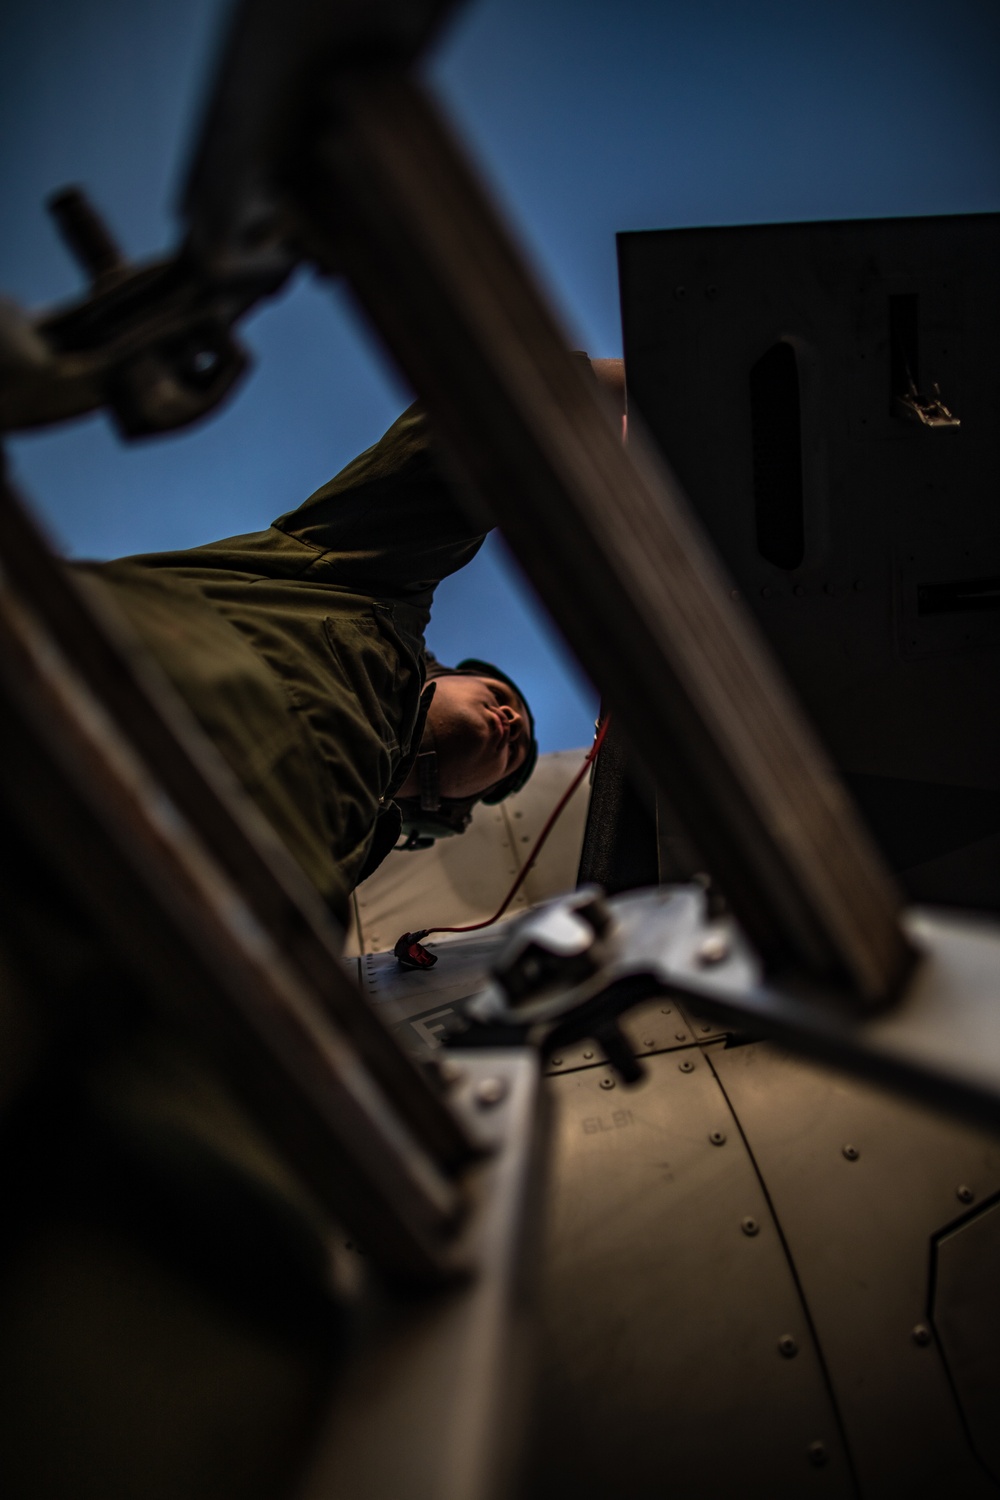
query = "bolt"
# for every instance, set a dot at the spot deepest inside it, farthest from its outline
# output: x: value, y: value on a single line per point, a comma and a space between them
x: 817, y: 1454
x: 921, y: 1334
x: 965, y: 1194
x: 852, y: 1153
x: 607, y: 1083
x: 687, y: 1066
x: 717, y: 1137
x: 714, y: 949
x: 750, y: 1226
x: 787, y: 1346
x: 490, y: 1091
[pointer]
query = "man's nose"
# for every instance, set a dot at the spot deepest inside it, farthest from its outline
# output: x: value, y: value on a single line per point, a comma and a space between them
x: 515, y: 722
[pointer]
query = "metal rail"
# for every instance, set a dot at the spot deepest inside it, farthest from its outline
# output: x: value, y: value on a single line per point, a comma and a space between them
x: 605, y: 537
x: 227, y: 953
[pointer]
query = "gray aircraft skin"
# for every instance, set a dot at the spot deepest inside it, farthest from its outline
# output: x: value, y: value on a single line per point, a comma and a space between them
x: 758, y: 1275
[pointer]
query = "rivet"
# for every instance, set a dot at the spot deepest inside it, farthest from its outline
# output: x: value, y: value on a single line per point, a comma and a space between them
x: 817, y: 1454
x: 490, y: 1091
x: 649, y: 1042
x: 787, y: 1346
x: 664, y: 1010
x: 830, y: 589
x: 588, y: 1054
x: 449, y: 1071
x: 556, y: 1062
x: 717, y: 1137
x: 681, y: 1036
x: 965, y: 1194
x: 750, y: 1226
x: 765, y: 592
x: 858, y: 585
x: 852, y: 1153
x: 706, y: 1026
x: 680, y: 292
x: 714, y: 949
x: 799, y: 591
x: 921, y: 1334
x: 711, y: 292
x: 687, y: 1066
x: 607, y: 1083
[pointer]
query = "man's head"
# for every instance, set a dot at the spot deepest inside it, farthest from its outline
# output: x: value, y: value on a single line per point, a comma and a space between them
x: 479, y: 746
x: 481, y: 733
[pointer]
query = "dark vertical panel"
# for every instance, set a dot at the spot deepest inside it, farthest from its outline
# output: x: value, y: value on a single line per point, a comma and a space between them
x: 776, y: 420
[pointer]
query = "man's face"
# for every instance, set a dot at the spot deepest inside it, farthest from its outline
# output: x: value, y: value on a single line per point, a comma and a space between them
x: 481, y: 733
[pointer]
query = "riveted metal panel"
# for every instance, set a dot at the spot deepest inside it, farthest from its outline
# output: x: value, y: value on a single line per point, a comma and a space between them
x: 662, y: 1316
x: 966, y: 1317
x: 659, y: 1026
x: 860, y: 1183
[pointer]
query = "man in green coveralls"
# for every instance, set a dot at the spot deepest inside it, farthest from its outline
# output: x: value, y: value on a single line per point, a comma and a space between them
x: 300, y: 650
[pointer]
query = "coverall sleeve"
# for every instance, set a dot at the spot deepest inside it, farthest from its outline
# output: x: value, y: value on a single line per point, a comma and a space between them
x: 394, y: 521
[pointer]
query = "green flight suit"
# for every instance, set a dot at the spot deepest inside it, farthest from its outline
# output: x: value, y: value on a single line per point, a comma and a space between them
x: 300, y: 648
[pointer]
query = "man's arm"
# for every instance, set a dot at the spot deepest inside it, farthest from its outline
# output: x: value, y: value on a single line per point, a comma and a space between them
x: 611, y: 376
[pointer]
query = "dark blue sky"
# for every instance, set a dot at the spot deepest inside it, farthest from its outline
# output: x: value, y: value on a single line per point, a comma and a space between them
x: 589, y: 116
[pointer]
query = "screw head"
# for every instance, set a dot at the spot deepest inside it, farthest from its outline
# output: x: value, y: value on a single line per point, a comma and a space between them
x: 921, y: 1334
x: 750, y: 1226
x: 851, y: 1153
x: 490, y: 1091
x: 607, y: 1083
x: 714, y: 949
x: 964, y: 1194
x: 787, y: 1346
x: 818, y: 1454
x: 687, y: 1066
x: 717, y: 1137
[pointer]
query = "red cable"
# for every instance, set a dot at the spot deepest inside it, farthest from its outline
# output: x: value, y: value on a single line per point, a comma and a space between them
x: 408, y: 948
